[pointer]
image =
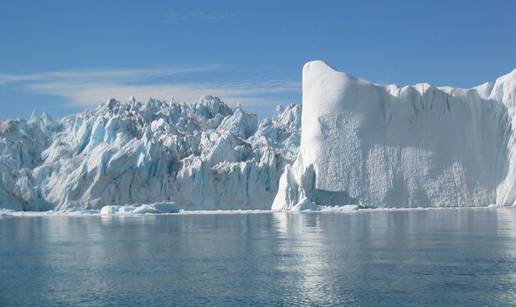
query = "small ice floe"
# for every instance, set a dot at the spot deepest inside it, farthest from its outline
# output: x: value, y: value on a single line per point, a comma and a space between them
x: 155, y: 208
x: 345, y: 208
x: 305, y: 205
x: 5, y: 212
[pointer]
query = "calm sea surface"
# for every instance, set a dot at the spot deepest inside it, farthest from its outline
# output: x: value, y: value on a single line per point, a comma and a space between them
x: 433, y: 257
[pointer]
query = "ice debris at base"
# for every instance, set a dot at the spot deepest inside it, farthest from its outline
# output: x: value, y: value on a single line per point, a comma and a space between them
x: 204, y: 155
x: 305, y: 205
x: 402, y: 146
x: 164, y: 207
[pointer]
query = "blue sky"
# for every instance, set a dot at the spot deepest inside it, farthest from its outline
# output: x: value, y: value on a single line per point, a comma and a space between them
x: 66, y: 56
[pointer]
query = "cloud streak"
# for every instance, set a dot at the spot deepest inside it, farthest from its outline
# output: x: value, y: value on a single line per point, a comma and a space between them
x: 114, y: 75
x: 90, y: 87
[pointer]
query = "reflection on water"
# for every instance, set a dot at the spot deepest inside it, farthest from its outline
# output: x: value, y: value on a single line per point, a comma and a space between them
x: 441, y: 257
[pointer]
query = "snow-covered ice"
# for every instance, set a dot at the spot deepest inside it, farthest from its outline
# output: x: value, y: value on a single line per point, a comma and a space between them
x: 401, y: 146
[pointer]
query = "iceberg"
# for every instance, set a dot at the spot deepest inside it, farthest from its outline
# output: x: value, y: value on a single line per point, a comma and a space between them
x: 379, y: 146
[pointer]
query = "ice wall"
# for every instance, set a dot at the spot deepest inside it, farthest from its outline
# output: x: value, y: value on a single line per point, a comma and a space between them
x: 401, y: 146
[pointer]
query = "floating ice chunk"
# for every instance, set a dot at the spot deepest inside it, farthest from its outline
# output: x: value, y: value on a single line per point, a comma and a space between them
x: 305, y: 205
x: 6, y: 212
x: 110, y: 210
x: 163, y: 207
x: 345, y: 208
x: 155, y: 208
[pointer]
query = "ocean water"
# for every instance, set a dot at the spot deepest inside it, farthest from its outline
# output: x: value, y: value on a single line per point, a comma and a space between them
x: 407, y: 257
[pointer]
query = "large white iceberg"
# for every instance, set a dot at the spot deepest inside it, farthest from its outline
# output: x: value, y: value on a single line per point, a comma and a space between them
x: 401, y: 146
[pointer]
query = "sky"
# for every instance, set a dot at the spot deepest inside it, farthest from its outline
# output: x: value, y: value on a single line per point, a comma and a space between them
x: 66, y: 56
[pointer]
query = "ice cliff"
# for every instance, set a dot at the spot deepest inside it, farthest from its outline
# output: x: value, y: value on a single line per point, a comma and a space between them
x: 401, y: 146
x: 361, y: 144
x: 201, y: 156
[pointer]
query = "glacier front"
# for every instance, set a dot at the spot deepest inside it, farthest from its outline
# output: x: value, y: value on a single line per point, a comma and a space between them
x: 203, y: 155
x: 401, y: 146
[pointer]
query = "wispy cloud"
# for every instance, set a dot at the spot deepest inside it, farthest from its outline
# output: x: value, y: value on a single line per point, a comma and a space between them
x: 90, y: 87
x: 118, y: 75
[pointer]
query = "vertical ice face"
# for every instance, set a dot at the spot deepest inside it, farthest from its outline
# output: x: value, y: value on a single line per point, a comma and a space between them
x: 392, y: 146
x: 504, y: 90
